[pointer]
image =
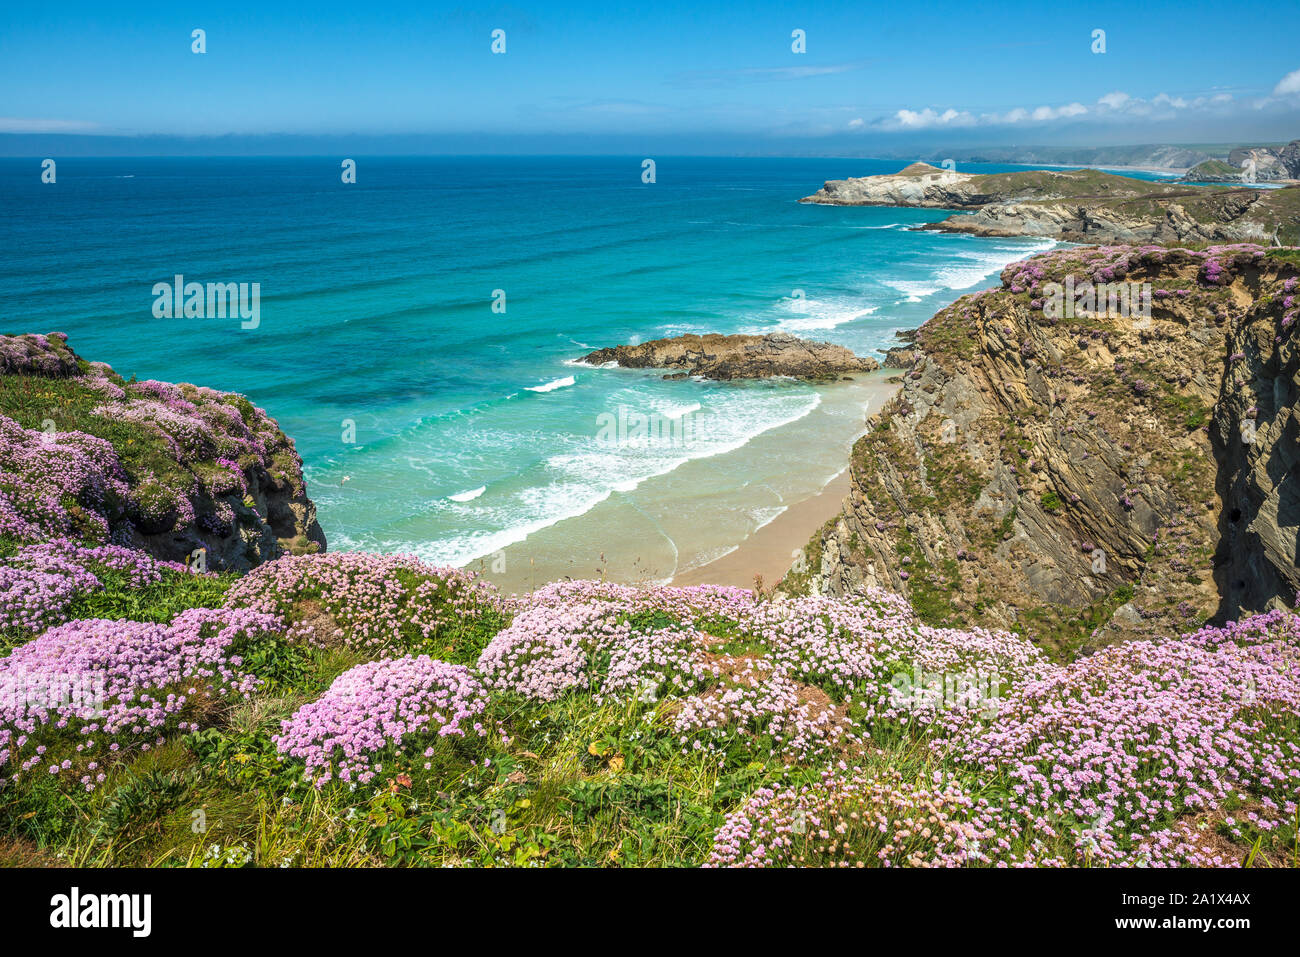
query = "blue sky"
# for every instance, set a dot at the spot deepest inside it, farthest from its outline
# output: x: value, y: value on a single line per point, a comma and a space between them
x: 606, y: 74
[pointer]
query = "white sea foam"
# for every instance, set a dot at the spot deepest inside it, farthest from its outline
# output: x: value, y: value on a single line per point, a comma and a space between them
x: 913, y: 289
x: 984, y: 263
x: 766, y: 516
x: 585, y: 475
x: 674, y: 410
x: 808, y: 314
x: 552, y: 385
x: 468, y: 496
x: 975, y: 266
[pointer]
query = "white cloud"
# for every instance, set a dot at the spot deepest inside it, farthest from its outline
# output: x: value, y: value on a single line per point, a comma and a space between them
x: 926, y: 118
x: 1112, y: 105
x: 1289, y: 85
x: 857, y: 123
x: 1114, y: 101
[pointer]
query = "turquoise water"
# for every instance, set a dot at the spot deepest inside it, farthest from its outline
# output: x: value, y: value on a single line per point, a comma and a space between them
x: 472, y: 427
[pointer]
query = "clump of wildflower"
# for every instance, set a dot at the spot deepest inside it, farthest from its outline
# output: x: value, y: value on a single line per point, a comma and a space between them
x: 39, y: 583
x: 94, y: 691
x: 855, y: 819
x: 381, y: 709
x: 377, y: 601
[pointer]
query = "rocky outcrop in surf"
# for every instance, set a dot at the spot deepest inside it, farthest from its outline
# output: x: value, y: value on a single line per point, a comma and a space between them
x: 722, y: 357
x: 1083, y: 475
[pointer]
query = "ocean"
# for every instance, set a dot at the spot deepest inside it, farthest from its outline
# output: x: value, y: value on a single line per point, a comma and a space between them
x: 417, y: 330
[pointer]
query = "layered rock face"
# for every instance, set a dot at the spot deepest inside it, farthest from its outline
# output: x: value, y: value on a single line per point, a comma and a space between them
x: 1221, y: 216
x: 182, y: 472
x: 1085, y: 206
x: 738, y: 357
x: 917, y: 185
x: 1259, y: 164
x: 1082, y: 474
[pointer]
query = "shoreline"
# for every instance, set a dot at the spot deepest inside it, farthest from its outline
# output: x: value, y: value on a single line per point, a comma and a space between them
x: 1173, y: 171
x: 770, y: 550
x: 715, y: 520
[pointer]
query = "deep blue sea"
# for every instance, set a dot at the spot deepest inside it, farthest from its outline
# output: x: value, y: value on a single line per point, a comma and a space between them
x: 472, y: 427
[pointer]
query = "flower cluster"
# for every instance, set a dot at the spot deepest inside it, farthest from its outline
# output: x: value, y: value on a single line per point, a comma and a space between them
x: 556, y: 634
x: 1215, y: 265
x: 824, y: 658
x: 756, y: 702
x: 37, y: 355
x: 541, y: 654
x: 854, y: 819
x: 91, y: 692
x: 201, y: 430
x: 1134, y: 737
x: 374, y: 600
x: 39, y: 583
x: 54, y: 484
x: 379, y: 709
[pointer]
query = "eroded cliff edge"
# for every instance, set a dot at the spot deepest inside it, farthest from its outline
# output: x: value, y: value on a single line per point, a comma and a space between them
x: 1088, y: 478
x: 1084, y: 206
x: 183, y: 472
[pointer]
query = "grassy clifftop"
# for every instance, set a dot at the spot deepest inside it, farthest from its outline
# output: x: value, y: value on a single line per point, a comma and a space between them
x: 364, y: 710
x: 1087, y: 206
x: 171, y: 469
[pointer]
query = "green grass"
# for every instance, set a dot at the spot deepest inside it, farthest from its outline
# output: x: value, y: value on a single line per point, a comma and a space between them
x: 32, y: 400
x: 1213, y: 169
x: 159, y: 602
x: 1062, y: 631
x: 1290, y: 257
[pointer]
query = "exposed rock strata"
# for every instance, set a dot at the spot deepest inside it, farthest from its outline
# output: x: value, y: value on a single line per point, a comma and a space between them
x: 1256, y: 164
x: 1085, y: 206
x: 1082, y: 479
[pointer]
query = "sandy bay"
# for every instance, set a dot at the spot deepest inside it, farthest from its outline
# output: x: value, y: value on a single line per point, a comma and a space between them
x: 721, y: 519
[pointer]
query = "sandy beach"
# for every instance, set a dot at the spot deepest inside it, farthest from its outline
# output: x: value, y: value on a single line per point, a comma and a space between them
x: 721, y: 519
x: 770, y: 550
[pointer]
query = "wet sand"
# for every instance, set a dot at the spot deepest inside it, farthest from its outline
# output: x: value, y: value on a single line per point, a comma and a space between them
x: 771, y: 550
x: 717, y: 520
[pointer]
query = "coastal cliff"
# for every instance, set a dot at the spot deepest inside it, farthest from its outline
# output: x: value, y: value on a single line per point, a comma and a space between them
x: 1086, y: 476
x: 1161, y: 156
x: 1257, y: 164
x: 588, y: 723
x: 722, y: 357
x: 166, y: 469
x: 1086, y: 206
